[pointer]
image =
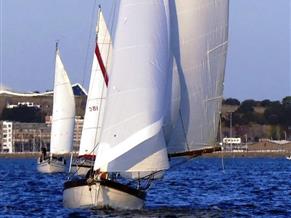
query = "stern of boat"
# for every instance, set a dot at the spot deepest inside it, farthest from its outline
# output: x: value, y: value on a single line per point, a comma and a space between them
x: 51, y: 166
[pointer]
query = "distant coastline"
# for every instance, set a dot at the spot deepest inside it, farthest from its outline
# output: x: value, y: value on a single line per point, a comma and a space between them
x: 26, y: 155
x: 221, y: 154
x: 249, y: 154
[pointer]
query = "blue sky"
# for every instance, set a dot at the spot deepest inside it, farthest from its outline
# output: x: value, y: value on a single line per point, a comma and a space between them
x: 258, y: 64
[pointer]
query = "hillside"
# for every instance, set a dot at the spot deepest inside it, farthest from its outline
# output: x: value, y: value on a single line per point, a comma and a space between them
x: 257, y: 119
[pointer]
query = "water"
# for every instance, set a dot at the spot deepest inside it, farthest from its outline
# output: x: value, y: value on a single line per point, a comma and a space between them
x: 200, y: 188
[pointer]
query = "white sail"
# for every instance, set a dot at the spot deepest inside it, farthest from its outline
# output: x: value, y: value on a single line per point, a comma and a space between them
x: 132, y: 139
x: 63, y: 118
x: 199, y: 34
x: 109, y: 10
x: 97, y: 89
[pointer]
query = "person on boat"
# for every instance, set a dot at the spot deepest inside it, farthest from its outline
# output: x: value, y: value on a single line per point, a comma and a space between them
x: 99, y: 175
x: 43, y: 154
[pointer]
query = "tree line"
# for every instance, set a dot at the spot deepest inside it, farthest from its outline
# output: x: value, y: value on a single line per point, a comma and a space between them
x: 264, y: 112
x: 271, y: 113
x: 23, y: 114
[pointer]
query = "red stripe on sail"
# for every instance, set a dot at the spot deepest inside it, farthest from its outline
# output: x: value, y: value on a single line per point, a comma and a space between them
x: 101, y: 64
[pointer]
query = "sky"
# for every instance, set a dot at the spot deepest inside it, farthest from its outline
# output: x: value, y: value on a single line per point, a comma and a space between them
x: 258, y: 64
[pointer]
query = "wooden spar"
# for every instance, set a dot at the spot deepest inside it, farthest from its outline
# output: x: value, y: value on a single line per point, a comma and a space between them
x: 195, y: 153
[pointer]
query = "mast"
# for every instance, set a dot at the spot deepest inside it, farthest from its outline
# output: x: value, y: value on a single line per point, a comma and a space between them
x: 132, y: 139
x: 199, y: 34
x: 63, y: 117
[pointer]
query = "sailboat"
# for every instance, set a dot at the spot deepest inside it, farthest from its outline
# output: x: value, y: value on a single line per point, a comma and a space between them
x: 163, y: 99
x: 63, y: 119
x: 95, y: 101
x: 199, y: 40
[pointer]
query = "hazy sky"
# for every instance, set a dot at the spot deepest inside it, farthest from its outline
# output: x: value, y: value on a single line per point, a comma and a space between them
x: 258, y: 64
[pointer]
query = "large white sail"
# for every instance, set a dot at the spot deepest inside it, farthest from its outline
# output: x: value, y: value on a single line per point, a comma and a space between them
x: 63, y: 118
x: 132, y: 139
x: 97, y: 89
x: 199, y: 34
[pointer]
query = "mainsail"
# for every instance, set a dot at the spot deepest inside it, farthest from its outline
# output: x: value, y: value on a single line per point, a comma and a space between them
x: 132, y: 139
x: 199, y: 34
x: 63, y: 118
x: 97, y: 89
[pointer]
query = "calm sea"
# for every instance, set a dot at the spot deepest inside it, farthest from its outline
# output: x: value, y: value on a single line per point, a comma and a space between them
x: 200, y: 188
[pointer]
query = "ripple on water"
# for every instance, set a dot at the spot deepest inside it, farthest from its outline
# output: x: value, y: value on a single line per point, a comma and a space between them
x: 247, y: 187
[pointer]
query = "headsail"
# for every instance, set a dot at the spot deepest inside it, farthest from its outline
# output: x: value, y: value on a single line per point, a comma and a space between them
x: 132, y: 139
x: 63, y: 118
x: 97, y: 90
x: 199, y: 34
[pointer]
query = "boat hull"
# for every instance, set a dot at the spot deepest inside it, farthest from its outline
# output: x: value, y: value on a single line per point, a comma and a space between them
x: 51, y: 166
x: 101, y: 194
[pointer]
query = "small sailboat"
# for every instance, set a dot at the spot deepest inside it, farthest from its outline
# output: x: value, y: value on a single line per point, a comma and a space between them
x: 63, y: 119
x: 163, y: 98
x: 95, y: 101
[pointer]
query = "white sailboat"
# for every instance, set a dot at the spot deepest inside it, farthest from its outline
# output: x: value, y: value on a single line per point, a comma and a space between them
x: 163, y: 98
x: 63, y: 119
x: 199, y: 34
x: 96, y: 99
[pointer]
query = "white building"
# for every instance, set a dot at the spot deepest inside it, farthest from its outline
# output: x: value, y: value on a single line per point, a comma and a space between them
x: 7, y: 136
x: 234, y: 144
x: 19, y: 104
x: 231, y: 141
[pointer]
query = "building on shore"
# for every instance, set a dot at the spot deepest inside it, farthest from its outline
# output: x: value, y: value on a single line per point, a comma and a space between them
x: 234, y: 144
x: 6, y: 136
x: 42, y: 101
x: 31, y: 137
x: 23, y: 137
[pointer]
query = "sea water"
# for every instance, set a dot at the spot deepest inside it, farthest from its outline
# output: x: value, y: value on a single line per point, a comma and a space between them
x: 203, y: 187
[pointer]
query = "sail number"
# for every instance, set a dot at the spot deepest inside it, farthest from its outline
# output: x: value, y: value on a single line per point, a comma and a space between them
x: 93, y: 108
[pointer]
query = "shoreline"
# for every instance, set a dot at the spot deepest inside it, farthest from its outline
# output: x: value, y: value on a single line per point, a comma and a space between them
x: 220, y: 154
x: 249, y: 154
x: 24, y: 155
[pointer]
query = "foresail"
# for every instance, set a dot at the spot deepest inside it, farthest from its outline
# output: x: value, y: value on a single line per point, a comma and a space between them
x: 97, y: 89
x: 199, y: 34
x: 109, y: 10
x: 63, y: 118
x: 132, y: 139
